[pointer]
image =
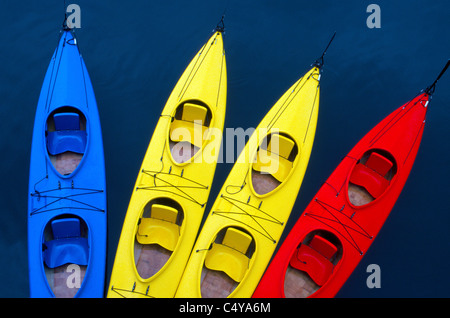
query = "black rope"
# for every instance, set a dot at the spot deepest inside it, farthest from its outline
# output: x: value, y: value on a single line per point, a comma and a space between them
x: 335, y: 219
x: 84, y: 205
x: 52, y: 80
x: 35, y: 190
x: 319, y: 62
x: 84, y: 82
x: 238, y: 187
x: 288, y: 100
x: 311, y: 112
x: 120, y: 291
x: 392, y: 123
x: 203, y: 249
x: 64, y: 24
x: 266, y: 216
x: 415, y: 140
x: 220, y: 26
x: 157, y: 175
x: 220, y: 78
x: 195, y: 69
x: 430, y: 89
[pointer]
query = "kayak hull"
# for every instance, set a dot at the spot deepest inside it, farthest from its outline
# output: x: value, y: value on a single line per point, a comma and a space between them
x: 152, y: 251
x: 66, y: 192
x: 345, y: 223
x: 247, y: 214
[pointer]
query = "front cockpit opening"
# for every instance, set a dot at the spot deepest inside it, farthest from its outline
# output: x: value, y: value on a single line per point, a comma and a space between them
x: 66, y: 138
x: 371, y: 176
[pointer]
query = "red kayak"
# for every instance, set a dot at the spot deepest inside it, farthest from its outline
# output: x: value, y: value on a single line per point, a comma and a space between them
x: 339, y: 225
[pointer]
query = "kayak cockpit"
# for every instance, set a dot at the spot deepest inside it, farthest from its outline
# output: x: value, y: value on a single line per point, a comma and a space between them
x: 65, y: 254
x: 66, y: 139
x: 157, y: 235
x: 371, y: 177
x: 187, y: 130
x: 226, y: 262
x: 273, y: 162
x: 312, y: 264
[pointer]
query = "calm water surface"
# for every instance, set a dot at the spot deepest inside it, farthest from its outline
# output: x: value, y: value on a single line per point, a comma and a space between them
x: 135, y: 52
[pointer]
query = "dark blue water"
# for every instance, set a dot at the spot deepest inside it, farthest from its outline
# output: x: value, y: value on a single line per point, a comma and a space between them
x: 135, y: 52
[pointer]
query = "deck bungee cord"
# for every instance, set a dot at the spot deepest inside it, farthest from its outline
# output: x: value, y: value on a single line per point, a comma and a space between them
x: 354, y: 227
x: 158, y: 175
x: 124, y: 293
x: 69, y: 198
x: 261, y: 216
x: 165, y: 176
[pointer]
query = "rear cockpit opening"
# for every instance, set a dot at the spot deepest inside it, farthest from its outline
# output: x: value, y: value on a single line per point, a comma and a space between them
x: 157, y: 236
x: 227, y: 261
x: 312, y: 264
x: 187, y: 129
x: 66, y: 253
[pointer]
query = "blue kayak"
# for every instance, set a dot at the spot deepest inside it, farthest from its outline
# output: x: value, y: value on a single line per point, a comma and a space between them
x: 67, y: 222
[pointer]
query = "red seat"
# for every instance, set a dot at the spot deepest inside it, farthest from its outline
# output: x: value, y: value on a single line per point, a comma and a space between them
x: 314, y: 259
x: 379, y: 164
x: 371, y: 175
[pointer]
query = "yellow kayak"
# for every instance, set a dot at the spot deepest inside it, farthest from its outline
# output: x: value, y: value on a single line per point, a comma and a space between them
x: 174, y: 182
x: 247, y: 219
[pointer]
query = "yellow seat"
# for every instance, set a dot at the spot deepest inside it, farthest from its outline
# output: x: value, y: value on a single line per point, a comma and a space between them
x: 160, y: 228
x: 274, y: 160
x: 192, y: 112
x: 229, y: 256
x: 191, y: 127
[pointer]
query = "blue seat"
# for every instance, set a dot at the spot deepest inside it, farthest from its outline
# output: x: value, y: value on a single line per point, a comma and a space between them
x: 67, y: 246
x: 67, y: 135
